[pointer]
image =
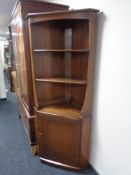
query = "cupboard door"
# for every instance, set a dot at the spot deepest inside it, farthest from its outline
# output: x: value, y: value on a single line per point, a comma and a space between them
x: 59, y: 139
x: 20, y: 62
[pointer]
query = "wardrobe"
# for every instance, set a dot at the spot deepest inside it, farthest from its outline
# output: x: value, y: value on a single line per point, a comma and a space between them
x: 22, y: 57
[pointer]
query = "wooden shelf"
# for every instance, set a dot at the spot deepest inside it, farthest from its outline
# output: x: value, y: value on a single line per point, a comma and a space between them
x: 61, y: 110
x: 62, y: 80
x: 60, y: 50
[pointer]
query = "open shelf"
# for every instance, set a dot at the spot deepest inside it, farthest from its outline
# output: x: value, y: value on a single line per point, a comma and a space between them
x: 59, y: 50
x: 62, y: 80
x: 66, y: 110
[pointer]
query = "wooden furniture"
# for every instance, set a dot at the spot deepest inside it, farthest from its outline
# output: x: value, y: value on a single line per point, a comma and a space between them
x: 13, y: 75
x: 62, y: 51
x: 22, y: 59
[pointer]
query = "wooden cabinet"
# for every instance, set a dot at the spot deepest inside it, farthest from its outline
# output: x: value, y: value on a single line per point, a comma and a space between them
x: 62, y: 51
x: 59, y: 139
x: 22, y: 58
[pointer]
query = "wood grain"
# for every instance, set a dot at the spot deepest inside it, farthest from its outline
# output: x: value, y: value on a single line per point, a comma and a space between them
x: 22, y: 56
x: 61, y: 110
x: 62, y: 66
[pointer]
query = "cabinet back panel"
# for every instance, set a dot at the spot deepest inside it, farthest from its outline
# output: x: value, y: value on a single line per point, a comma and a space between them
x: 52, y: 93
x: 80, y: 34
x: 47, y: 36
x: 58, y: 65
x: 49, y: 91
x: 78, y: 96
x: 48, y: 65
x: 79, y: 64
x: 61, y: 34
x: 54, y: 34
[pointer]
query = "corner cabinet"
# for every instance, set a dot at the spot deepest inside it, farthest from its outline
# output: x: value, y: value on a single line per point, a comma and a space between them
x: 62, y: 51
x: 22, y: 58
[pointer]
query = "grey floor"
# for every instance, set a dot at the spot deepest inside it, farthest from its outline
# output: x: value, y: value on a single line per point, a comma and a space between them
x: 15, y: 153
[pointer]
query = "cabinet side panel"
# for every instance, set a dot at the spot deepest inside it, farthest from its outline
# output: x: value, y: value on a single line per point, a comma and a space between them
x: 85, y: 142
x: 28, y: 121
x: 19, y: 55
x: 79, y: 61
x: 79, y: 64
x: 87, y: 107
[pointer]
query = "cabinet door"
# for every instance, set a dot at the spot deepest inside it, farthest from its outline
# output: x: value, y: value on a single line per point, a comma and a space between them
x: 59, y: 139
x: 20, y: 62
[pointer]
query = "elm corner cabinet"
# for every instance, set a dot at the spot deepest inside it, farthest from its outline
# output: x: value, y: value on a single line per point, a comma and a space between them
x: 62, y: 51
x: 22, y: 60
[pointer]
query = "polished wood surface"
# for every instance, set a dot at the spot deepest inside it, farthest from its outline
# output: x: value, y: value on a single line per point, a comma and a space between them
x: 59, y: 164
x: 64, y: 54
x: 37, y: 6
x: 29, y: 121
x: 22, y: 57
x: 65, y: 110
x: 59, y: 15
x: 62, y: 48
x: 62, y: 80
x: 59, y: 139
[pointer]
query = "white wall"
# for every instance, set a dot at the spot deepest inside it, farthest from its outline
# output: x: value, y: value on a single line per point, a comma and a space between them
x: 2, y: 83
x: 111, y: 131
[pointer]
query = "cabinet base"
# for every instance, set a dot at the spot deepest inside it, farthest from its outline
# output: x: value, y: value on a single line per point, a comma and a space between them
x: 58, y: 164
x: 34, y: 150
